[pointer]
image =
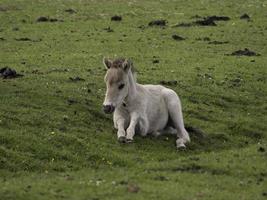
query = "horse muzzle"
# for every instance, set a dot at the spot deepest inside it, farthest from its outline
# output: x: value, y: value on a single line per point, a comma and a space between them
x: 108, y: 109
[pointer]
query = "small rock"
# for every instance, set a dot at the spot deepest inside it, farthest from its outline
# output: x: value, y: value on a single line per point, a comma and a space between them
x: 108, y: 29
x: 65, y: 118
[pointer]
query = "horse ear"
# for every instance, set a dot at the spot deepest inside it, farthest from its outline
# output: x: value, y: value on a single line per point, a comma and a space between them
x: 126, y: 65
x: 107, y: 62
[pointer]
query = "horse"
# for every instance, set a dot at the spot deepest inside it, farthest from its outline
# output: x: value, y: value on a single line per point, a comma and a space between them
x: 143, y: 109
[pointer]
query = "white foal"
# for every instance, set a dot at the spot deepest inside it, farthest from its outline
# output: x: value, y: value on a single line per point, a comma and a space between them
x: 145, y: 109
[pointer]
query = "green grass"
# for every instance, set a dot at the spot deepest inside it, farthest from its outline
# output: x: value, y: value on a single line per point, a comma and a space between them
x: 53, y: 149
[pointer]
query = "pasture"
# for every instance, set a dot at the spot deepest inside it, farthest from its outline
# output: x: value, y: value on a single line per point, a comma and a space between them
x: 55, y: 140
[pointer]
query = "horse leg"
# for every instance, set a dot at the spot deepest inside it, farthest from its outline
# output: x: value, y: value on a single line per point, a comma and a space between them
x: 131, y: 129
x: 120, y: 122
x: 121, y: 131
x: 175, y: 113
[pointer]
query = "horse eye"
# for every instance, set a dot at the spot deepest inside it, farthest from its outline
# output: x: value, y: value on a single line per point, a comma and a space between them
x: 121, y: 86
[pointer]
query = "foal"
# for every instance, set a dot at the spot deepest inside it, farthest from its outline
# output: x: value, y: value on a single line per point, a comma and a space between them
x: 146, y: 109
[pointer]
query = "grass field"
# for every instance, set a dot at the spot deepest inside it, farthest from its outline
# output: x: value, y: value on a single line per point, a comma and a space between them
x: 55, y: 141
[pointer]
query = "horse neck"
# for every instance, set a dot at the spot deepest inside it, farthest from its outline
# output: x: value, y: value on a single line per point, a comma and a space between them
x: 132, y: 87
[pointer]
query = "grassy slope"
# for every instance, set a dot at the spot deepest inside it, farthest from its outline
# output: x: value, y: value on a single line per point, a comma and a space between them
x: 50, y: 149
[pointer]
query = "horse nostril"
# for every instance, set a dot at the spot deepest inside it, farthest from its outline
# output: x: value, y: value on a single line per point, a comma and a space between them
x: 108, y: 108
x: 112, y: 108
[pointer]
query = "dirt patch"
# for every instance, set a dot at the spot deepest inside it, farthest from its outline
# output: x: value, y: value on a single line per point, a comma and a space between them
x: 123, y: 182
x: 218, y: 42
x: 70, y: 10
x: 261, y: 149
x: 25, y: 39
x: 76, y: 79
x: 133, y: 188
x: 160, y: 23
x: 48, y: 19
x: 72, y: 101
x: 184, y: 25
x: 245, y: 16
x: 170, y: 83
x: 195, y: 131
x: 218, y: 18
x: 245, y: 52
x: 155, y: 61
x: 206, y: 21
x: 177, y: 37
x: 8, y: 73
x: 194, y: 168
x: 116, y: 18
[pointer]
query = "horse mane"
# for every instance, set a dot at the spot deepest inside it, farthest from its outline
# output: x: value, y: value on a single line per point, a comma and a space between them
x: 119, y: 61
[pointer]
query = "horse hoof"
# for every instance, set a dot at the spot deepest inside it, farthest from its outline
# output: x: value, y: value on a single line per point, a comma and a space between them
x: 129, y: 140
x: 181, y: 148
x: 122, y: 139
